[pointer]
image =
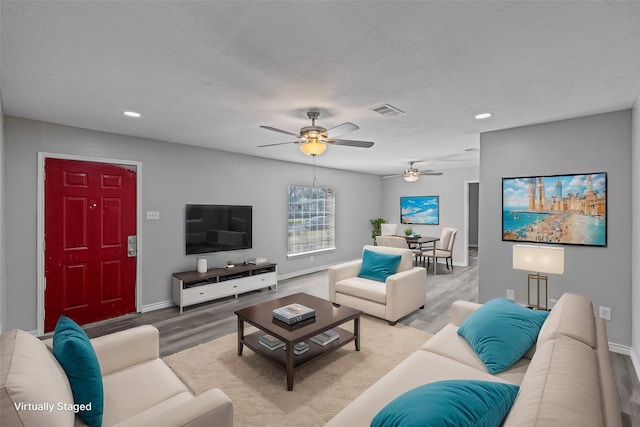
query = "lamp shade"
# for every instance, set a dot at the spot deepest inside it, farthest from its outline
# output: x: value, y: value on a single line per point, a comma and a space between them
x: 313, y: 148
x: 539, y: 259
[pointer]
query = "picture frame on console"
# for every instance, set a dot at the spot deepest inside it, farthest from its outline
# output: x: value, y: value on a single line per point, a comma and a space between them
x: 569, y: 209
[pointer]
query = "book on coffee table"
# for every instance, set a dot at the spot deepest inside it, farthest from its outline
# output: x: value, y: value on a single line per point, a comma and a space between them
x: 300, y: 348
x: 293, y: 313
x: 325, y: 337
x: 271, y: 342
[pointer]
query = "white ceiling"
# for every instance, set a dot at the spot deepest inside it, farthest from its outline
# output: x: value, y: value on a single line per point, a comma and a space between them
x: 208, y: 73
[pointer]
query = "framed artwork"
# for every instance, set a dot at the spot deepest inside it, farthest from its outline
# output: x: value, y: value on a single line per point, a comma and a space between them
x: 559, y: 209
x: 420, y: 210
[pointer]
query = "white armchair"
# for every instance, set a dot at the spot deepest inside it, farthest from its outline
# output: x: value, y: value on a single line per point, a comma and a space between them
x: 401, y: 293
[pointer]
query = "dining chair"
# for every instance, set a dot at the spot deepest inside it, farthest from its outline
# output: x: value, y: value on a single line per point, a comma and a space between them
x: 382, y: 241
x: 444, y: 248
x: 401, y: 242
x: 388, y: 229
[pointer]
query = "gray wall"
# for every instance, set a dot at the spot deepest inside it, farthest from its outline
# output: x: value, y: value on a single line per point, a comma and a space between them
x: 450, y: 187
x: 173, y: 175
x: 635, y: 350
x: 599, y: 143
x: 3, y: 282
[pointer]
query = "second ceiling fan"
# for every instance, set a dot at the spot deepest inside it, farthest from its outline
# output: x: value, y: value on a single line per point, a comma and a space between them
x: 313, y: 139
x: 412, y: 174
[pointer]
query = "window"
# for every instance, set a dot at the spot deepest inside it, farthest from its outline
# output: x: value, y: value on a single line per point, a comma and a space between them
x: 311, y: 224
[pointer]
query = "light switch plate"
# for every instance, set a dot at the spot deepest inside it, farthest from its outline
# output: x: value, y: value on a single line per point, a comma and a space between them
x: 511, y: 294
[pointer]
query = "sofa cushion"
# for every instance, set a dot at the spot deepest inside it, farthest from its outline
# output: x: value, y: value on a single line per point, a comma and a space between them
x: 561, y: 387
x: 572, y: 316
x: 420, y: 367
x: 370, y: 290
x: 449, y: 344
x: 378, y: 266
x: 449, y: 403
x: 501, y: 332
x: 30, y: 374
x: 72, y: 348
x: 132, y: 391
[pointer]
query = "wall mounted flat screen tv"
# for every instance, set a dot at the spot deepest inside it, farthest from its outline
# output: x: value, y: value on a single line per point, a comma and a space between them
x: 214, y: 228
x: 420, y: 210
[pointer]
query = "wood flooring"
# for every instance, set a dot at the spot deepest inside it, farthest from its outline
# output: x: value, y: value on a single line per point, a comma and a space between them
x: 208, y: 321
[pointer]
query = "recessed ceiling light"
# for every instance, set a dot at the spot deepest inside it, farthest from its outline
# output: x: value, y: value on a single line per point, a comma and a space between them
x: 131, y: 114
x: 483, y: 115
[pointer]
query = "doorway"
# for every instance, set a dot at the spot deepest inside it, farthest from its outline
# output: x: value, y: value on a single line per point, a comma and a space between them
x: 89, y: 221
x: 471, y: 220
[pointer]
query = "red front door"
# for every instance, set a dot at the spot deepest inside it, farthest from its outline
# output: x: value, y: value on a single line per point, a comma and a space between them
x: 90, y: 211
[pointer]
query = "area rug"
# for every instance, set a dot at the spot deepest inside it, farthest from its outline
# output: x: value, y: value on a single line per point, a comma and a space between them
x: 320, y: 390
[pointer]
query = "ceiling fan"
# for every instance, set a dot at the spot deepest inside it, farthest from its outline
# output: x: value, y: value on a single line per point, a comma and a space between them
x: 412, y: 174
x: 313, y: 139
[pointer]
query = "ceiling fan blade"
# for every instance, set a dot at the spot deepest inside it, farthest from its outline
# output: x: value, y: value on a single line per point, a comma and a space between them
x: 278, y: 143
x: 341, y: 129
x: 350, y: 142
x: 393, y: 176
x: 281, y: 131
x: 429, y: 172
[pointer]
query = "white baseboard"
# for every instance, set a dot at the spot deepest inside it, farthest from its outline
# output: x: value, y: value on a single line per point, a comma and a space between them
x: 156, y: 306
x: 619, y: 348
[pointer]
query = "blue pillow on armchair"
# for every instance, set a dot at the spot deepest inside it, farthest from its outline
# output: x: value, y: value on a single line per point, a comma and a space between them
x: 378, y: 266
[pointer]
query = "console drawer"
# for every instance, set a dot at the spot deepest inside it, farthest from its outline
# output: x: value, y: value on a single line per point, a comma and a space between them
x: 235, y: 286
x: 263, y: 280
x: 199, y: 294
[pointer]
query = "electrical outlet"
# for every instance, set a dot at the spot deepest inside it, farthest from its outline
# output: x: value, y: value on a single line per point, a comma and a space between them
x: 511, y: 294
x: 605, y: 313
x: 311, y: 258
x: 153, y: 214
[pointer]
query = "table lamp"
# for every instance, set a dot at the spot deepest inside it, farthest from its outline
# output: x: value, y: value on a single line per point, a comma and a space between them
x: 538, y: 259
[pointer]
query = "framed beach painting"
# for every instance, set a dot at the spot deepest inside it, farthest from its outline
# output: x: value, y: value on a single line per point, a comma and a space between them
x: 559, y: 209
x: 420, y: 210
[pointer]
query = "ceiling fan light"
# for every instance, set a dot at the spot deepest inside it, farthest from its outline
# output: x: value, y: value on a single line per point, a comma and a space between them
x: 411, y: 175
x: 313, y: 148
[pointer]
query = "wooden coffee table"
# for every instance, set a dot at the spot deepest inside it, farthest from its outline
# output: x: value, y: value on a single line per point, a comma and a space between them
x: 327, y: 317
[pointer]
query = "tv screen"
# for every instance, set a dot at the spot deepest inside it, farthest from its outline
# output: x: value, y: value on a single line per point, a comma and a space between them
x: 214, y: 228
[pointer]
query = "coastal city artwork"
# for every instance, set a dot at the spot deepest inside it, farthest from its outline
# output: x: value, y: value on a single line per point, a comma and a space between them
x: 565, y: 209
x: 420, y: 210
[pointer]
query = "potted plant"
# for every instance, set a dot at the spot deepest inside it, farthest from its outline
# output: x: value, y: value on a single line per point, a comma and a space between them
x: 376, y: 223
x: 408, y: 232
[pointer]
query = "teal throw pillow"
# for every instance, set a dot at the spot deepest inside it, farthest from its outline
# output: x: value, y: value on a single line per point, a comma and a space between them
x: 501, y: 332
x: 378, y: 266
x: 74, y: 352
x: 449, y: 403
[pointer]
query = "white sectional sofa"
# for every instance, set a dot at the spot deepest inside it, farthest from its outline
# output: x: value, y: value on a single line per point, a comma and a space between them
x: 565, y: 379
x: 139, y: 388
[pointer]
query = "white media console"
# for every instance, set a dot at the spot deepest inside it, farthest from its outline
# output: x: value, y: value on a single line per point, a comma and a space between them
x: 191, y: 287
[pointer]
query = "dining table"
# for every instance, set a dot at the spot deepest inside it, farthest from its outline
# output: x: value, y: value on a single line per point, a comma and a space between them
x: 420, y: 242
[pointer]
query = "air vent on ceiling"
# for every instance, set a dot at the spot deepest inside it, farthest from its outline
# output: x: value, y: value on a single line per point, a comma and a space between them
x: 387, y: 110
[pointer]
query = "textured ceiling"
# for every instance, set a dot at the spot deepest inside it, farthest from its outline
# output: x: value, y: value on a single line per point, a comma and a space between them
x: 209, y: 73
